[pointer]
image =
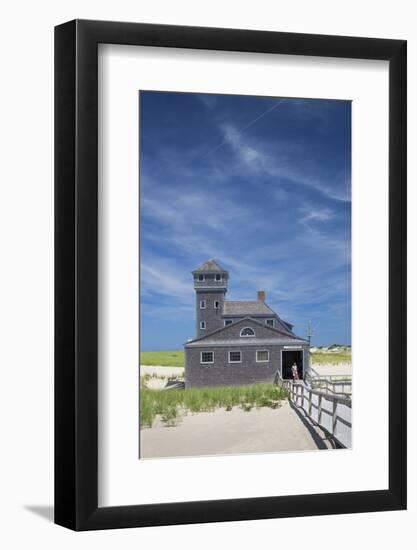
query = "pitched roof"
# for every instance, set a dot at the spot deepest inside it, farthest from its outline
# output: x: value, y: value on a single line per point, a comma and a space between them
x: 210, y: 266
x: 246, y: 307
x: 277, y: 335
x: 254, y: 307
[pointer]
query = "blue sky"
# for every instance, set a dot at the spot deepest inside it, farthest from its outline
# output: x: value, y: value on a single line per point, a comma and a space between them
x: 262, y: 185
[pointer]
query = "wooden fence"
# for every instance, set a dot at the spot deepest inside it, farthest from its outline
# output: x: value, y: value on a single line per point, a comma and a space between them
x: 332, y: 411
x: 340, y: 384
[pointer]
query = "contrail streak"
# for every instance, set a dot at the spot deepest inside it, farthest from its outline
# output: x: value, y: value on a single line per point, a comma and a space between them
x: 251, y: 123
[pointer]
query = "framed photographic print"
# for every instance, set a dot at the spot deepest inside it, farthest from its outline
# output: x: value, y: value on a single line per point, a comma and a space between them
x: 230, y: 337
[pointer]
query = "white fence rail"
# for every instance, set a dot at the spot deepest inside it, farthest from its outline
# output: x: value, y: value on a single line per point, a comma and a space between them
x: 331, y: 411
x: 340, y: 384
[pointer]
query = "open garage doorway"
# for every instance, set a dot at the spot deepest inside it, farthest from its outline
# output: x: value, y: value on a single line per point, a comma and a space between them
x: 288, y: 359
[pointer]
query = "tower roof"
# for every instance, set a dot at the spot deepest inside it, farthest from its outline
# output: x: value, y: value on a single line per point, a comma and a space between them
x: 210, y: 266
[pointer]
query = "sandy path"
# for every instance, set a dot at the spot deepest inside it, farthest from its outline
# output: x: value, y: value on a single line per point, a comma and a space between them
x: 162, y: 371
x: 222, y: 432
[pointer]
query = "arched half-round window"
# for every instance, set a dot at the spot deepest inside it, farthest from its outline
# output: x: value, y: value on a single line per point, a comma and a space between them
x: 247, y: 331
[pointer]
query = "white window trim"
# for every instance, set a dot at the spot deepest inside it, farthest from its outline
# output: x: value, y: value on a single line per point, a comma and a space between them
x: 262, y: 360
x: 247, y: 335
x: 202, y: 304
x: 268, y: 325
x: 235, y: 351
x: 218, y: 304
x: 206, y: 362
x: 203, y: 323
x: 216, y: 279
x: 227, y: 322
x: 201, y: 280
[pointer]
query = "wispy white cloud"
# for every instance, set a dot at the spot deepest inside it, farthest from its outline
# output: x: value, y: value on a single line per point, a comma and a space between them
x: 189, y: 207
x: 163, y: 277
x: 249, y: 155
x: 282, y: 164
x: 208, y: 100
x: 319, y: 214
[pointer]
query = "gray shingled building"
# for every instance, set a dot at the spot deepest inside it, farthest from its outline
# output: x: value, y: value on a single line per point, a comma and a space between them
x: 238, y: 342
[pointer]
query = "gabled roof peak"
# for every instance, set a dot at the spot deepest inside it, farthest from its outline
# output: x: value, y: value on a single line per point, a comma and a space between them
x: 249, y: 320
x: 210, y: 266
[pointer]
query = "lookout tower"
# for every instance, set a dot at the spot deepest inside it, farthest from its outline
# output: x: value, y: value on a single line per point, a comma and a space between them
x: 210, y: 283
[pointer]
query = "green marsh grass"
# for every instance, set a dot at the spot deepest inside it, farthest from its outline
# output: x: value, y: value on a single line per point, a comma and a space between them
x: 162, y: 358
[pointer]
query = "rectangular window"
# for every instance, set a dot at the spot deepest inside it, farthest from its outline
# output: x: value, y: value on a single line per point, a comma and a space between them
x: 235, y: 357
x: 216, y: 304
x: 262, y: 356
x: 201, y: 278
x: 202, y: 325
x: 207, y: 357
x: 218, y: 277
x: 202, y: 304
x: 270, y: 322
x: 227, y: 322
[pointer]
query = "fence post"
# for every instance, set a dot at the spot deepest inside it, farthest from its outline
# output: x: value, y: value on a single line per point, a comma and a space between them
x: 334, y: 418
x: 309, y: 403
x: 319, y: 413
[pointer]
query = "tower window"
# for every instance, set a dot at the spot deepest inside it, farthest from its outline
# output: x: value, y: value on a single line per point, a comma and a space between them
x: 227, y: 322
x: 218, y: 277
x: 235, y: 357
x: 202, y: 325
x: 201, y: 278
x: 207, y: 357
x: 202, y: 304
x: 216, y: 304
x: 270, y: 322
x: 247, y: 331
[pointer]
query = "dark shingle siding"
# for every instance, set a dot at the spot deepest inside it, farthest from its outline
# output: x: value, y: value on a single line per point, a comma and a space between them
x: 223, y: 373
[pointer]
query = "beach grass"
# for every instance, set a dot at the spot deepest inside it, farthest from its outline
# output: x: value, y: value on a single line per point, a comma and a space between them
x: 331, y: 358
x: 171, y: 405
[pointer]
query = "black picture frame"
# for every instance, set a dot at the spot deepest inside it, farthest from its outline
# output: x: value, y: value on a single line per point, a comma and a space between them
x: 76, y: 272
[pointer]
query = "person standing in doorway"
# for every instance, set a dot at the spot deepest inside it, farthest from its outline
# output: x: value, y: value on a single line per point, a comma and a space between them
x: 294, y: 371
